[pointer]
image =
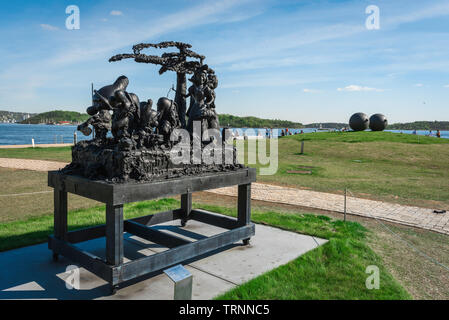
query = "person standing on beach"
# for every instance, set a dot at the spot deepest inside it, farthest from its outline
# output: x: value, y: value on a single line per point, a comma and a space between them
x: 438, y: 134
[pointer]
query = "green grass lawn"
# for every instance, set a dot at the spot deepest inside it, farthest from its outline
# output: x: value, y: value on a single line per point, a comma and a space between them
x: 385, y: 166
x: 24, y: 193
x: 335, y: 270
x: 62, y: 154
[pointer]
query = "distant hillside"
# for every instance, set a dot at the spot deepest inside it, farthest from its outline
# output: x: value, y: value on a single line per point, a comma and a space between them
x: 225, y: 119
x: 57, y: 116
x: 333, y: 125
x: 253, y: 122
x: 420, y: 125
x: 12, y: 117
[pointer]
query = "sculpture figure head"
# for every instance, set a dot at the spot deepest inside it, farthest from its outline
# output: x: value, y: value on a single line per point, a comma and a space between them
x: 163, y: 105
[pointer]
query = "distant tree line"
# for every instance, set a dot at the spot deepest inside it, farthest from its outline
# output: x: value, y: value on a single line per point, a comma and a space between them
x: 56, y: 116
x: 420, y: 125
x: 254, y: 122
x: 225, y: 120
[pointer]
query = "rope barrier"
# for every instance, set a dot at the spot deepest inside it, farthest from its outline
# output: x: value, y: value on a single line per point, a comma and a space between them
x: 406, y: 241
x: 23, y: 194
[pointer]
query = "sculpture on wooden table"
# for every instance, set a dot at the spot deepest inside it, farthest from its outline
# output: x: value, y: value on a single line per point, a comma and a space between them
x: 142, y: 139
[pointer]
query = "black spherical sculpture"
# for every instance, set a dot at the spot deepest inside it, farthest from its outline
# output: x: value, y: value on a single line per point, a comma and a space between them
x: 359, y: 121
x: 378, y: 122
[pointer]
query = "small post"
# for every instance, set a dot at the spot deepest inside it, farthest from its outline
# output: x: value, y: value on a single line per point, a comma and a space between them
x: 74, y: 138
x: 32, y: 142
x: 346, y: 191
x: 183, y: 280
x: 302, y: 146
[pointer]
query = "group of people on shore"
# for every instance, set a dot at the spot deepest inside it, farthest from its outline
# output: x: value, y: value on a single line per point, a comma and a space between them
x: 287, y: 132
x: 437, y: 134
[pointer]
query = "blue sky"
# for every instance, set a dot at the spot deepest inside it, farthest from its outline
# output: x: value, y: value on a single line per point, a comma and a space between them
x: 306, y: 61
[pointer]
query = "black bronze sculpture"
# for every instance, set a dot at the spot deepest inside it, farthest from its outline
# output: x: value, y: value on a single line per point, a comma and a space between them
x: 142, y: 137
x: 378, y: 122
x: 359, y: 121
x: 202, y: 100
x: 173, y: 61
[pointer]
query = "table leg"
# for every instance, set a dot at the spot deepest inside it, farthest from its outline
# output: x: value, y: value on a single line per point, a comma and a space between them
x: 60, y: 216
x: 186, y: 207
x: 114, y: 234
x: 244, y: 207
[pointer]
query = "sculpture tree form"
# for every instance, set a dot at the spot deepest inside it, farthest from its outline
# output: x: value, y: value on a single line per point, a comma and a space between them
x: 173, y: 61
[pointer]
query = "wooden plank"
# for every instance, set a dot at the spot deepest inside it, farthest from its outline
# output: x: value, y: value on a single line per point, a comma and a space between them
x: 86, y: 234
x: 158, y: 261
x: 153, y: 235
x: 84, y: 187
x: 133, y: 192
x: 157, y: 218
x: 114, y: 234
x: 121, y: 193
x: 213, y: 219
x: 83, y: 258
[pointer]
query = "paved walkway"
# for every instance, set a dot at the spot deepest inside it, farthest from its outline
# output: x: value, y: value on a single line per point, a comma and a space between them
x: 406, y: 215
x: 30, y: 273
x: 28, y: 164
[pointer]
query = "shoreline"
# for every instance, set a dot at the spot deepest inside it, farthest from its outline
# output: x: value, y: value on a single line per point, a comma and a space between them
x: 42, y: 145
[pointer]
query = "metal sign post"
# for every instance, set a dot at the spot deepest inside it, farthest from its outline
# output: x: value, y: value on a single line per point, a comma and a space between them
x: 183, y: 280
x: 346, y: 191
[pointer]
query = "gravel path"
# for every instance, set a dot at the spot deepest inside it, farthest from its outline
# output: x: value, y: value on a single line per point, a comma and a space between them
x: 406, y: 215
x: 28, y: 164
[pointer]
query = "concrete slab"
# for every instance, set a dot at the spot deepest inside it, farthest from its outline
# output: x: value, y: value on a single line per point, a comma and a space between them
x: 30, y: 273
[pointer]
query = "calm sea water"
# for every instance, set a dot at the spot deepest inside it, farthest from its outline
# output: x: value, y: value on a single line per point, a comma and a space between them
x: 23, y: 133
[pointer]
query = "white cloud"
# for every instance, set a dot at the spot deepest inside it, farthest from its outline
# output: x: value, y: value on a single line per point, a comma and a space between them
x: 310, y: 90
x: 440, y: 9
x: 49, y: 27
x: 104, y: 42
x: 419, y: 85
x: 446, y: 86
x: 355, y: 88
x: 116, y: 13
